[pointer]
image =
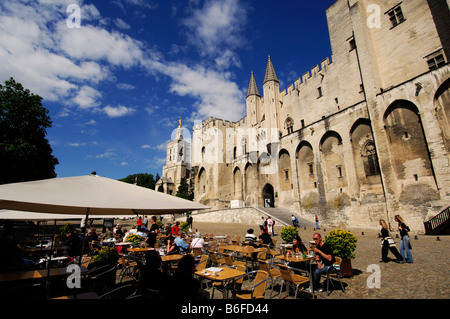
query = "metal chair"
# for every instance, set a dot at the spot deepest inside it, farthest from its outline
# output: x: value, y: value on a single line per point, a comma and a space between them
x: 233, y: 286
x: 233, y: 263
x: 124, y: 292
x: 129, y: 267
x: 273, y: 272
x: 258, y: 288
x: 214, y: 260
x: 290, y: 278
x: 335, y: 272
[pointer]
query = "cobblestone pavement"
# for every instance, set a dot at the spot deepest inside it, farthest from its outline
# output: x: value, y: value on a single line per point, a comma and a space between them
x: 427, y: 278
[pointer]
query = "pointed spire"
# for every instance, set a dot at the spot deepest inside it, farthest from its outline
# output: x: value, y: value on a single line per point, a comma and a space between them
x: 252, y: 87
x: 270, y: 72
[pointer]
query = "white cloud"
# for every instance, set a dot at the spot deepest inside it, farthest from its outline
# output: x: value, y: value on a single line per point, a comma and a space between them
x: 69, y: 65
x: 122, y: 24
x: 216, y: 27
x: 146, y: 146
x: 118, y: 111
x: 94, y: 43
x: 218, y: 96
x: 125, y: 86
x: 87, y: 97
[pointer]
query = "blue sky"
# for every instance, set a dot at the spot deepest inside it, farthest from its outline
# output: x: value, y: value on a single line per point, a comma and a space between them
x: 116, y: 86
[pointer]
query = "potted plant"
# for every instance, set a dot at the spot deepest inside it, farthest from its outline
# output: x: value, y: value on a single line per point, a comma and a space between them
x: 288, y: 232
x: 134, y: 239
x: 105, y: 256
x: 343, y: 243
x: 184, y: 227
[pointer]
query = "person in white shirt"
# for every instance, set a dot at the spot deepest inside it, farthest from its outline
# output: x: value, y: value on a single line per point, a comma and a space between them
x: 197, y: 242
x: 250, y: 237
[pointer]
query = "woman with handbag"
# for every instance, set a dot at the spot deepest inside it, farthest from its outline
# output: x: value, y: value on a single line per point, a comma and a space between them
x: 387, y: 244
x: 405, y: 244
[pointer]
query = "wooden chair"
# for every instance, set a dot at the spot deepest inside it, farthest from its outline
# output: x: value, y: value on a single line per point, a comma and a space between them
x: 233, y: 263
x: 233, y: 286
x: 202, y: 263
x: 335, y: 272
x: 290, y: 278
x: 273, y: 254
x: 129, y: 268
x: 214, y: 260
x: 274, y: 273
x: 258, y: 288
x: 197, y: 252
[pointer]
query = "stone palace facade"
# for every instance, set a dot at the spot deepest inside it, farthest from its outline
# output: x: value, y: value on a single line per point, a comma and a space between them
x: 358, y: 138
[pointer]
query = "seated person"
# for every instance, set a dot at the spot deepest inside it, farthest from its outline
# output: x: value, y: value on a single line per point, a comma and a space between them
x: 325, y: 260
x: 298, y: 248
x: 198, y: 241
x: 93, y: 238
x: 152, y: 277
x: 265, y: 238
x: 185, y: 286
x: 250, y: 237
x: 179, y: 241
x: 108, y: 234
x: 172, y: 248
x: 297, y: 245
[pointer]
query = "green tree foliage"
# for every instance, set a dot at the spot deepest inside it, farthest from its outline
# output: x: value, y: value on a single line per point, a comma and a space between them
x: 184, y: 190
x: 26, y: 154
x: 142, y: 179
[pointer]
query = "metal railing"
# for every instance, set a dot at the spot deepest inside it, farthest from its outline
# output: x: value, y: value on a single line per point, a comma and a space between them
x: 434, y: 224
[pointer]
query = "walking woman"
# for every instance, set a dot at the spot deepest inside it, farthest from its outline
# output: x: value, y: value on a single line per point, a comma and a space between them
x: 387, y: 244
x: 405, y: 244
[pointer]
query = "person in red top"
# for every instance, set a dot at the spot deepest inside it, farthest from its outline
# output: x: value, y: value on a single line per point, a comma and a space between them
x: 139, y: 223
x: 175, y: 229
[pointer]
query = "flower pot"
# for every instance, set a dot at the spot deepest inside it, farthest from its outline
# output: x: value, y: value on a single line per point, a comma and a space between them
x: 346, y: 267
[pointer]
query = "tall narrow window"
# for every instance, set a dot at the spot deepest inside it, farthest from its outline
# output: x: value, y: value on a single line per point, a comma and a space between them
x: 289, y: 124
x: 396, y: 16
x: 436, y: 62
x: 311, y: 168
x: 370, y: 159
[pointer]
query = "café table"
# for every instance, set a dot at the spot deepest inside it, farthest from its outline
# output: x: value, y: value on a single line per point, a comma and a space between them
x: 220, y: 239
x: 140, y: 251
x: 35, y: 274
x: 297, y: 258
x: 84, y: 295
x: 170, y: 258
x: 224, y: 274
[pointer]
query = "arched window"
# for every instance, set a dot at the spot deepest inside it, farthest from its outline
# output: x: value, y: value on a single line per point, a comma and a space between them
x: 289, y: 124
x: 370, y: 159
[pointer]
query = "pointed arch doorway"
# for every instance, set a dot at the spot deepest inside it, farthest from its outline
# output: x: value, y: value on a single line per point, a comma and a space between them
x: 268, y: 196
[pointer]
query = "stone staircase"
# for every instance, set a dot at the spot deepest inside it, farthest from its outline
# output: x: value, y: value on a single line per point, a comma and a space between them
x: 283, y: 216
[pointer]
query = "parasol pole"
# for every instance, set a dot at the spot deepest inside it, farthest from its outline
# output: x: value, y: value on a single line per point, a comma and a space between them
x: 82, y: 246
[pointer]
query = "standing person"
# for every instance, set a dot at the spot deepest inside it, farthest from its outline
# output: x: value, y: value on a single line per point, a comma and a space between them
x: 387, y: 244
x: 263, y: 225
x: 317, y: 222
x: 405, y: 244
x: 153, y: 232
x: 175, y: 229
x: 269, y: 225
x: 139, y: 223
x: 324, y: 258
x: 295, y: 221
x: 145, y: 222
x: 189, y: 221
